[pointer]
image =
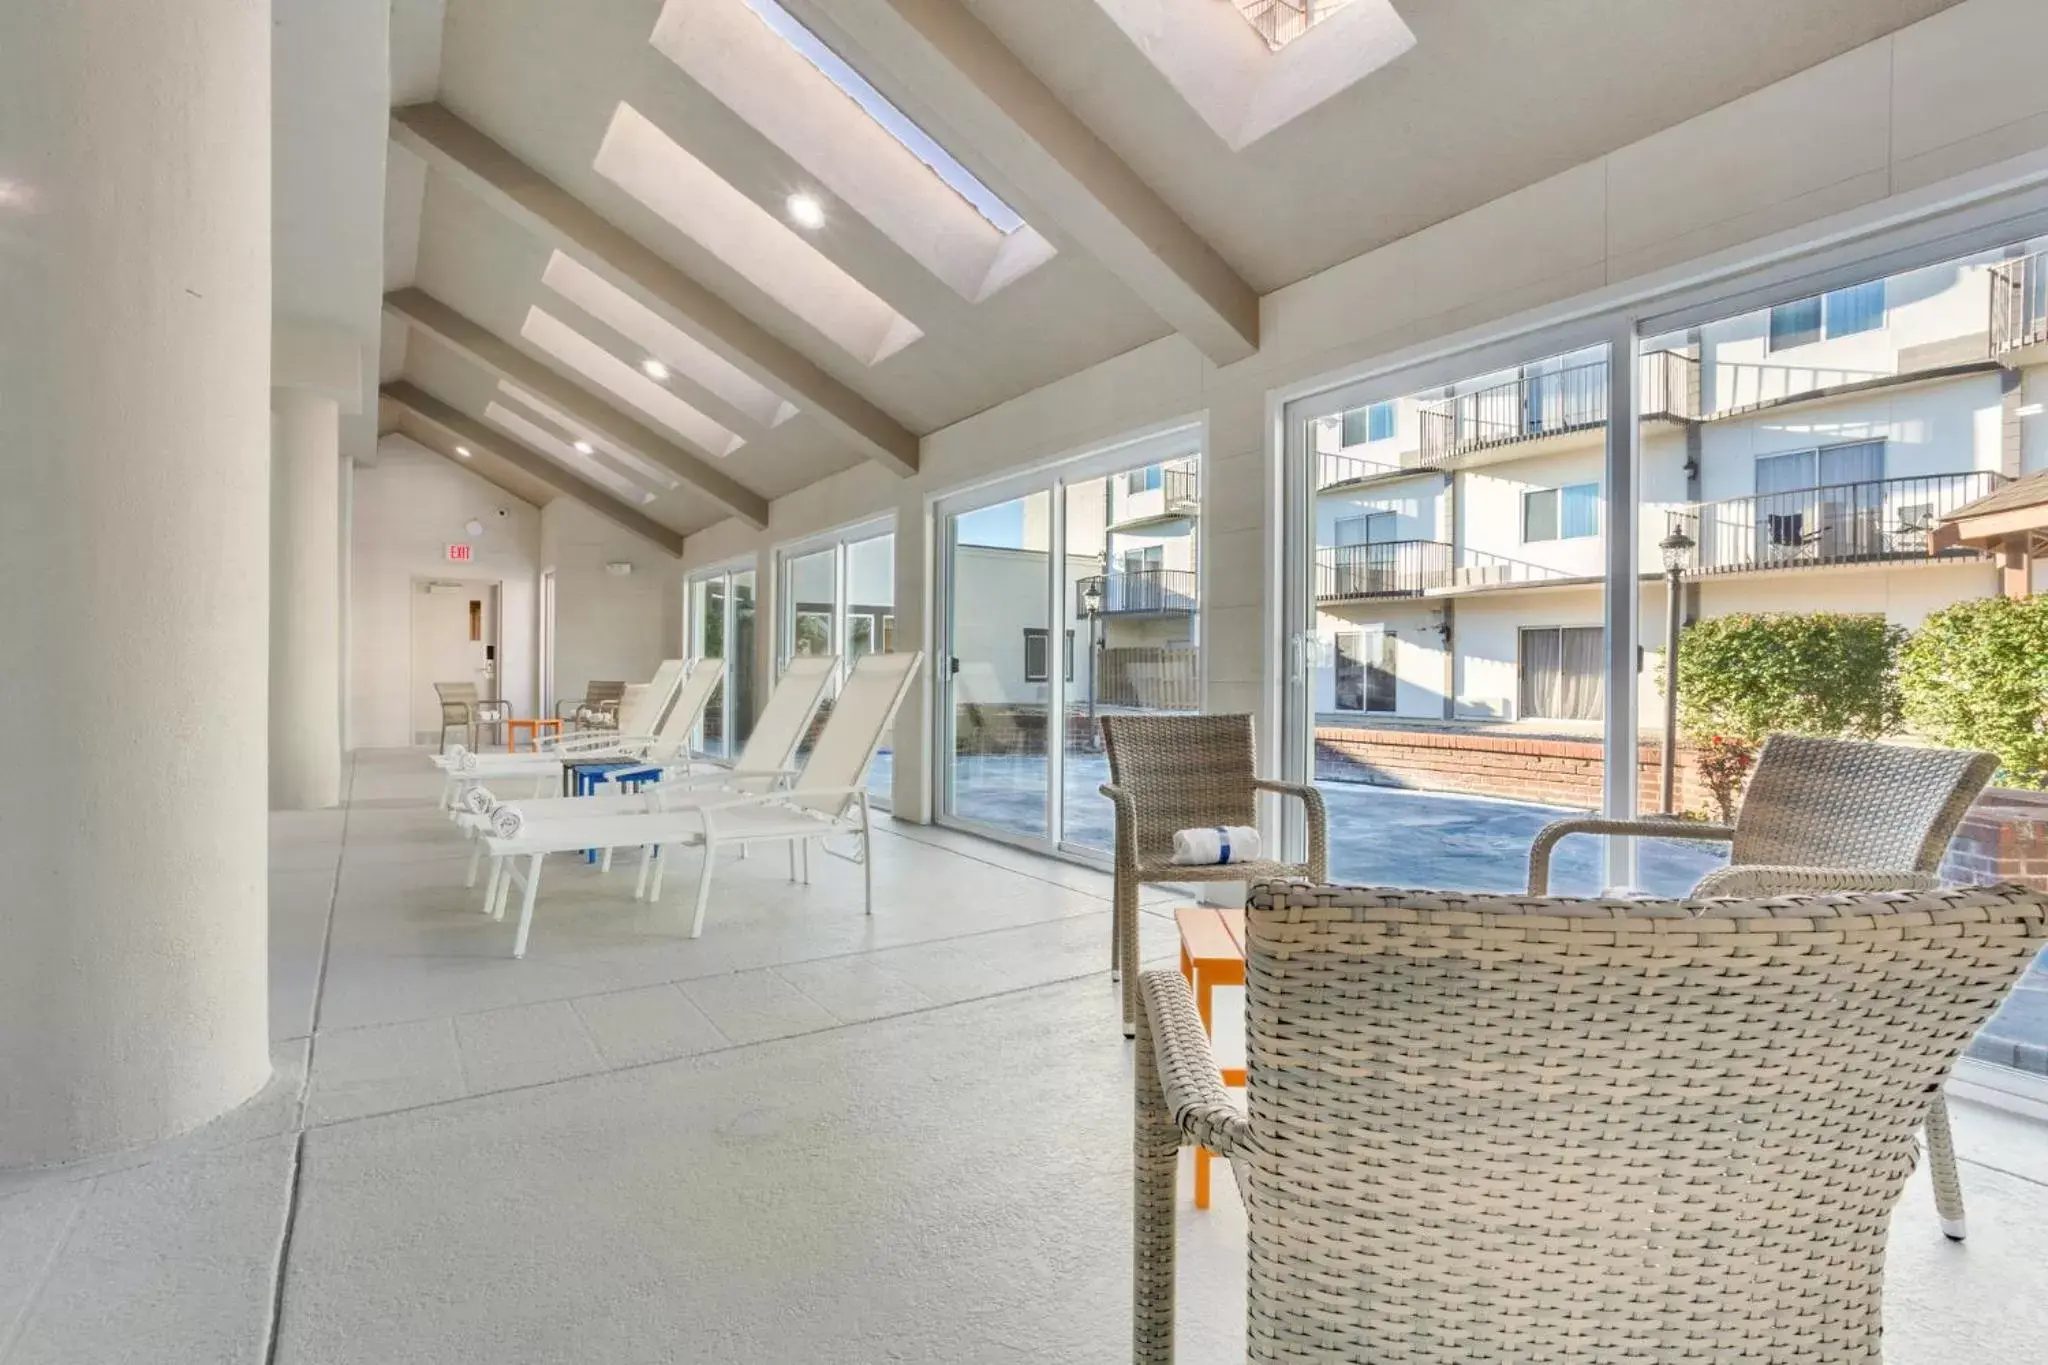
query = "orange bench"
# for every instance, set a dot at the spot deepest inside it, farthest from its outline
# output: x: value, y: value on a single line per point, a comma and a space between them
x: 1211, y: 955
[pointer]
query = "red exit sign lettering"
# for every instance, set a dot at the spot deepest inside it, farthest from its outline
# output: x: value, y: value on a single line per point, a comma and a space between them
x: 458, y: 554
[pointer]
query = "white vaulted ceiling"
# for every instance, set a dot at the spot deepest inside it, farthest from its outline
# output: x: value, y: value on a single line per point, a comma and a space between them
x: 599, y: 186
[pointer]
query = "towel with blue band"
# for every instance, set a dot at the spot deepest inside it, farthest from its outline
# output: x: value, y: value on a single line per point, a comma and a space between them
x: 1216, y: 846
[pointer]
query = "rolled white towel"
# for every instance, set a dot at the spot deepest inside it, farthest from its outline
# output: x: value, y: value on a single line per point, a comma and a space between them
x: 477, y: 801
x: 1217, y: 845
x: 467, y: 762
x: 506, y: 822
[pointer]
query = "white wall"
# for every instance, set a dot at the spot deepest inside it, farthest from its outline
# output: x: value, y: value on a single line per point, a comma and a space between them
x: 607, y: 626
x: 408, y: 507
x: 1931, y: 111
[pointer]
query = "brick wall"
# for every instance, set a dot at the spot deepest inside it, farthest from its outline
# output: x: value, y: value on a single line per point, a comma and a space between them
x: 2004, y: 838
x: 1557, y: 772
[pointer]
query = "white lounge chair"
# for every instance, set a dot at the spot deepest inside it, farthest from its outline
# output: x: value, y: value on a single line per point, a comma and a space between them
x: 642, y: 718
x: 828, y: 797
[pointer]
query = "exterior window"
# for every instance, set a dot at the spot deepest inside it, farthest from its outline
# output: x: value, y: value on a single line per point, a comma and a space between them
x: 1370, y: 528
x: 1374, y: 423
x: 1140, y: 480
x: 1038, y: 668
x: 1859, y: 308
x: 1567, y: 513
x: 1366, y: 676
x: 1146, y: 557
x: 1562, y: 677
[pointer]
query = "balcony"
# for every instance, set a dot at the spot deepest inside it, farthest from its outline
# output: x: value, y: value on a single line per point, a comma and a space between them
x: 1551, y: 403
x: 2019, y: 307
x: 1141, y: 592
x: 1335, y: 471
x: 1845, y: 523
x: 1181, y: 486
x: 1413, y: 568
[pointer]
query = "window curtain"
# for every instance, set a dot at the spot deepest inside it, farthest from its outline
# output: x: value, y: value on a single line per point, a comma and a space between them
x: 1542, y: 661
x: 1582, y: 684
x: 1581, y: 514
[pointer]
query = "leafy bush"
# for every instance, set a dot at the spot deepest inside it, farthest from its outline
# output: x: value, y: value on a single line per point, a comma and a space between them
x: 1976, y: 676
x: 1747, y: 675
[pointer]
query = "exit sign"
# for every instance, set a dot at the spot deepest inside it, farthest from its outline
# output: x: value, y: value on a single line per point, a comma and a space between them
x: 458, y: 554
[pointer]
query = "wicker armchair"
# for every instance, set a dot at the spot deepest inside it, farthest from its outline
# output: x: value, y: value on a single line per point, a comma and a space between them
x: 1169, y: 773
x: 1506, y: 1129
x: 599, y: 708
x: 1831, y: 815
x: 463, y: 709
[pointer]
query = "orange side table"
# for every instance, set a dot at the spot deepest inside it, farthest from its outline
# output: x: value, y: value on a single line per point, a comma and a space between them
x: 1211, y: 955
x: 533, y: 727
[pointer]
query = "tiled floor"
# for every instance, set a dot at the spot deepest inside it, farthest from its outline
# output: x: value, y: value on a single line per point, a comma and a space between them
x: 809, y: 1135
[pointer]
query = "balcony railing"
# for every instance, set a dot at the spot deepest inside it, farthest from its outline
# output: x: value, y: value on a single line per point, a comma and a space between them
x: 1140, y: 591
x: 1332, y: 470
x: 1410, y: 568
x: 1551, y: 403
x: 2019, y: 303
x: 1182, y: 486
x: 1843, y: 523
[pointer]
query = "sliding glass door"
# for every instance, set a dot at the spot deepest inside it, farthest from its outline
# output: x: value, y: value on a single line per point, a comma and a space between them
x: 838, y: 596
x: 721, y: 626
x: 1067, y: 597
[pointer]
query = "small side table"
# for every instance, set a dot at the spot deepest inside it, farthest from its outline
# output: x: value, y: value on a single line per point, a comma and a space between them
x: 1211, y: 955
x: 533, y: 725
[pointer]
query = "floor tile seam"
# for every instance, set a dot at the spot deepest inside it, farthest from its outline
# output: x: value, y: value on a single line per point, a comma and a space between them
x: 1000, y: 867
x: 34, y: 1296
x: 777, y: 970
x: 610, y: 1066
x: 326, y: 950
x: 583, y: 1027
x: 2038, y: 1182
x: 324, y: 1125
x: 680, y: 981
x: 281, y: 1261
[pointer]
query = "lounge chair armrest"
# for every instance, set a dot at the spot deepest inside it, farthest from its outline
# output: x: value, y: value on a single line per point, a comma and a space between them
x: 779, y: 798
x: 1190, y: 1086
x: 1318, y: 822
x: 1547, y: 838
x: 1762, y: 879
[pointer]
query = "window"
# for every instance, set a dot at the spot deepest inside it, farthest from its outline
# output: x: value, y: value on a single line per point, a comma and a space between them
x: 1366, y: 677
x: 1561, y: 673
x: 1037, y: 668
x: 1145, y: 557
x: 1845, y: 312
x: 1370, y: 528
x: 1568, y: 513
x: 1140, y: 480
x: 1374, y: 423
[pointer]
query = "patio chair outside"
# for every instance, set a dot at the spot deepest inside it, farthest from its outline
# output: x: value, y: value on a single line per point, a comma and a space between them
x: 1169, y: 773
x: 1525, y: 1129
x: 1831, y: 815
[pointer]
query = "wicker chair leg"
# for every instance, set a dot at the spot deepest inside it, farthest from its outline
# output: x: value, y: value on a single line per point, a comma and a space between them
x: 1127, y: 949
x: 1155, y: 1162
x: 1941, y: 1165
x: 1116, y: 936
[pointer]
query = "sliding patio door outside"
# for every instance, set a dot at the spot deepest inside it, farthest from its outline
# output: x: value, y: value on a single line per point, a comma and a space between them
x: 1065, y: 597
x: 721, y: 626
x: 838, y: 596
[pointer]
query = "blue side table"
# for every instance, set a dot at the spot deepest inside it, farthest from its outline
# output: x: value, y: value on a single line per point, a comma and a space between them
x: 584, y: 779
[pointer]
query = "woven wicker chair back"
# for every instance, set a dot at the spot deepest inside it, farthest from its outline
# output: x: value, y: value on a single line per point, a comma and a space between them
x: 456, y: 694
x: 1183, y: 772
x: 1855, y: 803
x: 1516, y: 1129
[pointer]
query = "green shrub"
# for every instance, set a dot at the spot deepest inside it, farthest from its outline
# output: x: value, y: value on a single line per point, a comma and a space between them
x: 1747, y: 675
x: 1975, y: 676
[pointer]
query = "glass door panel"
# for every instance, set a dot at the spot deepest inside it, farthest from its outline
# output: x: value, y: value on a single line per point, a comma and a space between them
x: 707, y: 602
x: 810, y: 618
x: 871, y: 628
x: 738, y: 686
x: 1001, y: 657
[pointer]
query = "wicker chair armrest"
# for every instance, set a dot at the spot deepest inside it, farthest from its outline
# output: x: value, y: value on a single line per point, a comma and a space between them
x: 454, y: 713
x: 1762, y: 879
x: 1318, y: 822
x: 1548, y: 837
x: 1189, y: 1083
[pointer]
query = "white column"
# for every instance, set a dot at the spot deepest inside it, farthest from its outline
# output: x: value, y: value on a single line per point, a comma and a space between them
x: 305, y: 601
x: 134, y: 602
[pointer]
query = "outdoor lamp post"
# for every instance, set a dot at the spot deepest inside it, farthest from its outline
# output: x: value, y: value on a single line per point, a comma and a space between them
x: 1091, y: 603
x: 1677, y: 548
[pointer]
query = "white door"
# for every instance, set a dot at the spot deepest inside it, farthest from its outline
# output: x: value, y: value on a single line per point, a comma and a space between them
x: 454, y: 640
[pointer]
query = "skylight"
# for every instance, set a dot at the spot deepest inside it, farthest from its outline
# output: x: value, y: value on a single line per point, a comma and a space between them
x: 892, y: 120
x: 553, y: 446
x: 1280, y: 22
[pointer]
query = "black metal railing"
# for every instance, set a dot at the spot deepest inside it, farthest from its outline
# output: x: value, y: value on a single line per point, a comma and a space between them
x: 1843, y: 523
x: 1540, y: 403
x: 1389, y: 568
x: 2019, y: 303
x: 1129, y: 591
x: 1182, y: 486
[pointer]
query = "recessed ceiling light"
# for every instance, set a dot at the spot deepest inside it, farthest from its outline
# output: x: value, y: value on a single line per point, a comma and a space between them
x: 654, y: 370
x: 585, y: 448
x: 463, y: 451
x: 806, y: 211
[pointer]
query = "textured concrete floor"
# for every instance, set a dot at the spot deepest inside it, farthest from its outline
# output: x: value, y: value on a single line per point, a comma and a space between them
x: 807, y: 1136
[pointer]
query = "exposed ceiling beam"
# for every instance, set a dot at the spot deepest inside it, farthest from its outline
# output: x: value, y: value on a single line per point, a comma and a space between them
x: 440, y: 426
x: 494, y: 354
x: 523, y: 194
x: 947, y: 60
